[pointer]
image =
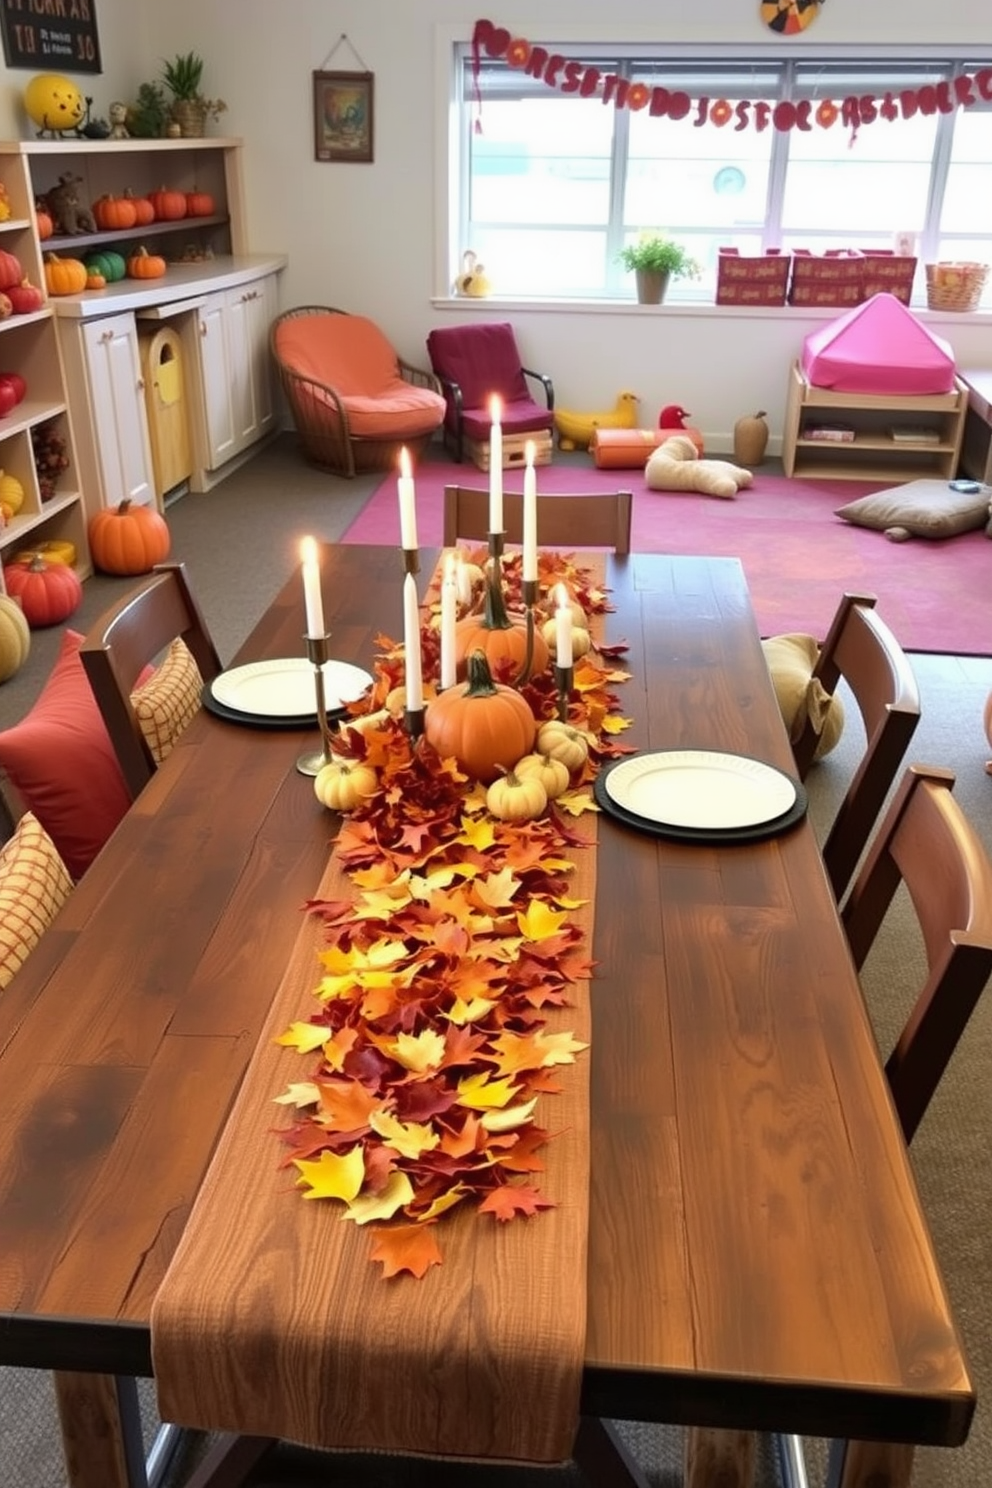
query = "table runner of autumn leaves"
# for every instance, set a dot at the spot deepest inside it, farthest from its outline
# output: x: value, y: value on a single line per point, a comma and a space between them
x: 432, y: 1019
x: 436, y: 1122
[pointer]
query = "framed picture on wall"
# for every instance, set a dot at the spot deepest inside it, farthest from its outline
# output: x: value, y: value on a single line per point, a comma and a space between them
x: 342, y: 116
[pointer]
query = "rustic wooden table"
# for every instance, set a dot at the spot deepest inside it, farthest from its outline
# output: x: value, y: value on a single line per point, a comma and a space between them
x: 759, y: 1258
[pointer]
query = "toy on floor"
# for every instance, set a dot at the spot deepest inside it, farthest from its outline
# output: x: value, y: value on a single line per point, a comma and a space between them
x: 673, y: 416
x: 575, y: 430
x: 675, y: 466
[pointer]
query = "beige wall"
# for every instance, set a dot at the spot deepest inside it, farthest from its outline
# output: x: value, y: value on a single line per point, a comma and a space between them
x: 364, y: 236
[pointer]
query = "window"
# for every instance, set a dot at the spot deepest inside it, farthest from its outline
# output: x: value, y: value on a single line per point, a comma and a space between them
x: 553, y: 183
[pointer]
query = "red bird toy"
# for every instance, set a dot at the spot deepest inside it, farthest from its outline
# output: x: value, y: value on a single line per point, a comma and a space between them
x: 673, y: 416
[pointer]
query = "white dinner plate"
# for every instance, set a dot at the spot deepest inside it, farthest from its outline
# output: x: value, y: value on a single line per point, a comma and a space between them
x: 700, y: 789
x: 286, y: 688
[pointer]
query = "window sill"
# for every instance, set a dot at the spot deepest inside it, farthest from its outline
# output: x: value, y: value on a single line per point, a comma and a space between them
x: 689, y: 308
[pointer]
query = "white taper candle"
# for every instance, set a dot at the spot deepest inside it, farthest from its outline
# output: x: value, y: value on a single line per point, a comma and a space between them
x: 311, y: 588
x: 408, y: 507
x: 495, y: 466
x: 530, y: 514
x: 411, y: 646
x: 563, y: 628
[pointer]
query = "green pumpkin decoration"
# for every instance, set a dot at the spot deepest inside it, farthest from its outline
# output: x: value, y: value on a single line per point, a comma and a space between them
x: 111, y: 265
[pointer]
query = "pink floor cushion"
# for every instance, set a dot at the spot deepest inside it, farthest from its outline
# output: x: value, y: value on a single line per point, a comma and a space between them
x: 878, y: 347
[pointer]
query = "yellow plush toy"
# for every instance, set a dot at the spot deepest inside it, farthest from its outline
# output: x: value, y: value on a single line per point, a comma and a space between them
x: 674, y: 466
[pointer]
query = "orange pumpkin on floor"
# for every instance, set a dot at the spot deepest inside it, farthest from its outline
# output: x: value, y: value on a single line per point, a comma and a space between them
x: 48, y: 592
x: 128, y: 539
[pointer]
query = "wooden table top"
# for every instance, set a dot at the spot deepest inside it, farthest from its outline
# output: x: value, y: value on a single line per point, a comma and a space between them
x: 758, y: 1251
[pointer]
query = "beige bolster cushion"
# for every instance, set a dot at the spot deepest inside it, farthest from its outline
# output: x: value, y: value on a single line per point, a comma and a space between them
x: 791, y: 659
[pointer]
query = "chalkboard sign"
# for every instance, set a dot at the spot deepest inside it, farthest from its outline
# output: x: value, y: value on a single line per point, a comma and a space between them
x: 51, y: 35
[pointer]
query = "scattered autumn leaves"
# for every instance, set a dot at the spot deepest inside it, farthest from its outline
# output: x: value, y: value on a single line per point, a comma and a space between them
x: 431, y: 1031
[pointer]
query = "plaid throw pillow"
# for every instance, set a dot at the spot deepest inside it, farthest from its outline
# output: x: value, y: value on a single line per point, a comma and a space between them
x: 169, y: 701
x: 34, y: 885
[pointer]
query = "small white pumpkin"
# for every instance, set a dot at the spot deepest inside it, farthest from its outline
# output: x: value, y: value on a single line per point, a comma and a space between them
x: 341, y: 785
x: 563, y: 742
x: 515, y: 798
x: 553, y: 774
x: 581, y: 639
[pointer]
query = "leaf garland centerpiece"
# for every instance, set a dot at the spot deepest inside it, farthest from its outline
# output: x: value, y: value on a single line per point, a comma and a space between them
x: 432, y: 1037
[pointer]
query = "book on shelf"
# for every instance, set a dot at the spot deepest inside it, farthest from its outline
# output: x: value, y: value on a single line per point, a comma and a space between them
x: 832, y: 433
x: 914, y: 434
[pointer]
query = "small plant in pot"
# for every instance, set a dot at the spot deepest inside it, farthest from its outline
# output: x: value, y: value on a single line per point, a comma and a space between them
x: 190, y: 109
x: 655, y: 260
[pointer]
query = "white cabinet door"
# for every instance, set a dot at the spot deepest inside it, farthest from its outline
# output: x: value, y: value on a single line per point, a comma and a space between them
x: 117, y: 394
x: 235, y: 371
x: 215, y: 381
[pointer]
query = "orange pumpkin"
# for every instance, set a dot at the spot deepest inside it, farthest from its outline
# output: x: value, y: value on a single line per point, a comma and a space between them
x: 64, y: 276
x: 44, y: 223
x: 95, y: 281
x: 169, y: 206
x: 145, y: 265
x: 484, y: 725
x: 10, y: 269
x: 199, y: 204
x: 498, y: 635
x: 128, y: 539
x: 114, y: 213
x: 48, y: 592
x: 144, y: 212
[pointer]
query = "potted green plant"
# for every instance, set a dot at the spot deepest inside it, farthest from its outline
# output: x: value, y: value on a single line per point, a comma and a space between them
x: 655, y: 259
x: 190, y: 109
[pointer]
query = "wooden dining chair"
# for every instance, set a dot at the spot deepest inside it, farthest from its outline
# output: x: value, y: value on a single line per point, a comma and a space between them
x: 145, y: 714
x: 926, y: 842
x: 861, y: 648
x: 596, y: 520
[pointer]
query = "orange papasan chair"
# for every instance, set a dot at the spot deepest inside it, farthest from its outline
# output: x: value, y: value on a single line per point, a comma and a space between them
x: 355, y: 403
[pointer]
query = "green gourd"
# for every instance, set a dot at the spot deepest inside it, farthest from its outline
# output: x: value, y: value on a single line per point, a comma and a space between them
x: 111, y: 265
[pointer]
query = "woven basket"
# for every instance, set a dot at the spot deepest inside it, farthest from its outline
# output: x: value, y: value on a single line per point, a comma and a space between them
x: 955, y: 286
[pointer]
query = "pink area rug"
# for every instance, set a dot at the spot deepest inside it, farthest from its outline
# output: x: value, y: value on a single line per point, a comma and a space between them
x: 797, y: 555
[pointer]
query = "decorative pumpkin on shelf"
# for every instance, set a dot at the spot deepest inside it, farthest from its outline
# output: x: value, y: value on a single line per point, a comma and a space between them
x: 114, y: 213
x: 11, y: 494
x: 64, y: 276
x: 200, y: 204
x: 111, y: 265
x: 15, y: 382
x: 498, y: 635
x: 43, y: 222
x: 11, y: 272
x: 6, y: 308
x: 49, y: 592
x: 128, y: 539
x: 25, y: 298
x: 169, y: 206
x: 483, y: 724
x: 145, y: 265
x: 144, y: 212
x: 95, y: 281
x: 15, y: 638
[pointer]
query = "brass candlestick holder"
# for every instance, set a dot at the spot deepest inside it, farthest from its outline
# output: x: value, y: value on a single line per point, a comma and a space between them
x: 564, y: 678
x: 414, y: 718
x: 313, y: 761
x: 528, y: 590
x: 497, y: 542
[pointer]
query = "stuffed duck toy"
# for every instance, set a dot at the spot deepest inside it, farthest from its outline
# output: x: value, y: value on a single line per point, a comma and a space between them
x: 673, y: 416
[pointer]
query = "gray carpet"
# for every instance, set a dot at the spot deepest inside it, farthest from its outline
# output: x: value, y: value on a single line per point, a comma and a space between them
x: 239, y: 542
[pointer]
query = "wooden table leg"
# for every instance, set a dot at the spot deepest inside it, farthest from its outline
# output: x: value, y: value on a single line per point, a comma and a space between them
x: 101, y: 1430
x: 864, y: 1464
x: 719, y: 1459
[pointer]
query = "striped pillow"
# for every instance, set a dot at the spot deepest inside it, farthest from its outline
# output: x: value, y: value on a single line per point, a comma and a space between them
x: 169, y: 701
x: 34, y: 884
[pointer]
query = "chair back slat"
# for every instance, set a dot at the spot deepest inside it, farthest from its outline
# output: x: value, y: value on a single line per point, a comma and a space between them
x: 926, y: 842
x: 128, y: 638
x: 598, y: 520
x: 861, y: 648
